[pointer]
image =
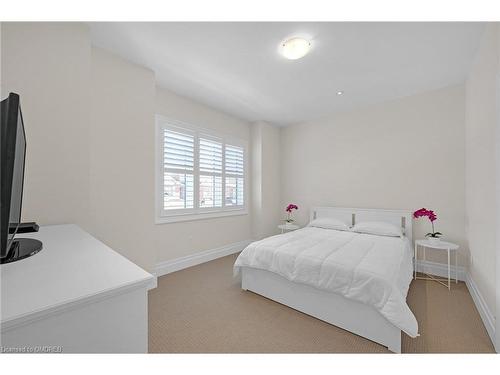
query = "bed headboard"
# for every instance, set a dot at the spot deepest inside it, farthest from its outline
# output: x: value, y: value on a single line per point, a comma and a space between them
x: 350, y: 216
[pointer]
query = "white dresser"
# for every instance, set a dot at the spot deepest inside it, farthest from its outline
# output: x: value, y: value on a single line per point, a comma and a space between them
x: 75, y: 296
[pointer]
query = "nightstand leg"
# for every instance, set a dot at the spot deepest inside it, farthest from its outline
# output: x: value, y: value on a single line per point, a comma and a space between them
x: 449, y: 285
x: 456, y: 266
x: 415, y: 262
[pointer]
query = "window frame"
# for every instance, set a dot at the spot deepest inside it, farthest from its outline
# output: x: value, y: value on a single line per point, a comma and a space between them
x: 163, y: 216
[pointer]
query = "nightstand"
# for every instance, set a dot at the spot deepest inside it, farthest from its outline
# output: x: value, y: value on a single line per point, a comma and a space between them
x: 287, y: 227
x: 439, y: 246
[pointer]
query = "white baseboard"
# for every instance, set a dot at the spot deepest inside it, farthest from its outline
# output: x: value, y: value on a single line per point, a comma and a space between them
x: 178, y: 264
x: 484, y: 311
x: 440, y: 269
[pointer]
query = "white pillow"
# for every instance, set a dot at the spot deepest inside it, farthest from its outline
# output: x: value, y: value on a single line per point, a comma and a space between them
x: 378, y: 227
x: 329, y: 223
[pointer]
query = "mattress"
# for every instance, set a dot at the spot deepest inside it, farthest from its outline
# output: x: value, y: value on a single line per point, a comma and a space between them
x: 375, y: 270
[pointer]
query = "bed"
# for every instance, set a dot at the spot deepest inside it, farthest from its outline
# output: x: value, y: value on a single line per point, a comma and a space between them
x: 358, y: 282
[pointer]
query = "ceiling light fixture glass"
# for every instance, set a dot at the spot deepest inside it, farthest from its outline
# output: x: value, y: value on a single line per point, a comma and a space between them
x: 295, y: 48
x: 340, y: 93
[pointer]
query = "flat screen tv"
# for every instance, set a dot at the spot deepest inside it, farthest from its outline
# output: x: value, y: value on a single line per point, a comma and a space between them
x: 13, y: 153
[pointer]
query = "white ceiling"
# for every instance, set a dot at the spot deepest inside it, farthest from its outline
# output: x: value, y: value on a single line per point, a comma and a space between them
x: 236, y: 67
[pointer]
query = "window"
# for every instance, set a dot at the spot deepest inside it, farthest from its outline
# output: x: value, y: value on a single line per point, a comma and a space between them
x: 234, y: 175
x: 178, y: 176
x: 199, y: 174
x: 210, y: 172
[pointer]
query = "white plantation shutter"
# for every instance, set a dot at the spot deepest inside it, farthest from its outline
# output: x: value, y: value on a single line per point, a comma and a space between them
x: 200, y: 173
x: 178, y: 176
x: 210, y: 156
x: 210, y: 164
x: 234, y: 175
x: 178, y: 150
x: 234, y: 160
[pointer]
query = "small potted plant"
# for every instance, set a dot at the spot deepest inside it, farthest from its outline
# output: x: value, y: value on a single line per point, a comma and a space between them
x: 289, y: 209
x: 433, y: 236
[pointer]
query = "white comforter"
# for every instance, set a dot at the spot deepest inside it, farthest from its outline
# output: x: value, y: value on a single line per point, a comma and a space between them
x: 375, y: 270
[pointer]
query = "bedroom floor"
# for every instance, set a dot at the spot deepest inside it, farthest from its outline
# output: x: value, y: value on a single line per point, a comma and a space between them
x: 187, y: 314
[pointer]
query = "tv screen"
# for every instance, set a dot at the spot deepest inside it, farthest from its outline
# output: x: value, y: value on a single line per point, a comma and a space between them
x: 13, y: 148
x: 17, y: 179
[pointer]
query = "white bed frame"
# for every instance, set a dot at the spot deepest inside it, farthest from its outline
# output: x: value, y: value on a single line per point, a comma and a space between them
x: 353, y: 316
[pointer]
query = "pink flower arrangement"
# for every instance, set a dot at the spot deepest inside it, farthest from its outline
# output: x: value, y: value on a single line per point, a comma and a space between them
x: 289, y: 210
x: 432, y: 217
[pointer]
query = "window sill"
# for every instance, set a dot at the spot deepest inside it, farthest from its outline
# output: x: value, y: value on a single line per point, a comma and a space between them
x: 199, y: 216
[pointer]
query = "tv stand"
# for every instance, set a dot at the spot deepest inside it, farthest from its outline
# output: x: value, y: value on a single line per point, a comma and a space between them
x: 76, y: 296
x: 22, y: 248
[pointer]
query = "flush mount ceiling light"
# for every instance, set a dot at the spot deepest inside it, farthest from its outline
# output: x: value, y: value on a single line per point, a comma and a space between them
x: 295, y: 48
x: 340, y: 93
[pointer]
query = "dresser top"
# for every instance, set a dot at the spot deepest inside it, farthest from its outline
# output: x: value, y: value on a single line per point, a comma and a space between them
x: 73, y: 267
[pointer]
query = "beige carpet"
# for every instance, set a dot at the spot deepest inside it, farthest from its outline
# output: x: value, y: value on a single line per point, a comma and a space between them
x: 203, y: 310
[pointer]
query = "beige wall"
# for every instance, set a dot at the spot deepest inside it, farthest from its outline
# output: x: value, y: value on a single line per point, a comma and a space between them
x: 256, y: 182
x: 174, y: 240
x: 125, y: 101
x: 89, y: 118
x: 266, y: 179
x: 480, y: 168
x: 402, y: 154
x: 122, y: 157
x: 48, y: 65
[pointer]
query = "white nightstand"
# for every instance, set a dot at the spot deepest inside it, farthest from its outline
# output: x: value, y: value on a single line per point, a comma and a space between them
x: 287, y: 227
x: 440, y: 246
